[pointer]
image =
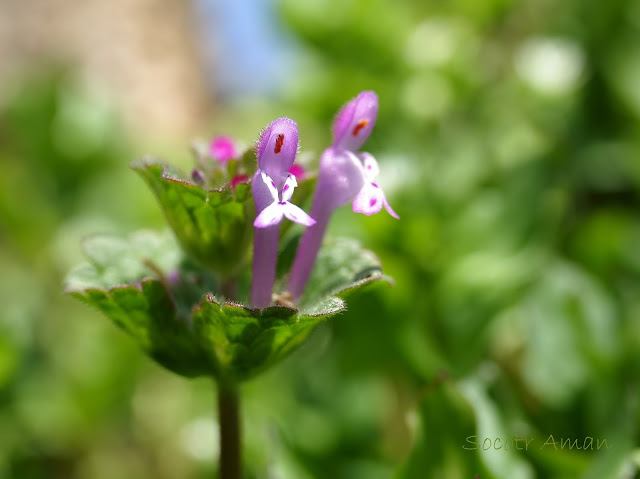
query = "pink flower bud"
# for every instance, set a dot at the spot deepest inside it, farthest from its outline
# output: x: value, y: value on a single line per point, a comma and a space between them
x: 222, y: 149
x: 355, y: 121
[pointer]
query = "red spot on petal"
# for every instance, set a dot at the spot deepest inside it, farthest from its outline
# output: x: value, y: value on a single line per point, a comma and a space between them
x: 372, y: 202
x: 361, y: 124
x: 279, y: 143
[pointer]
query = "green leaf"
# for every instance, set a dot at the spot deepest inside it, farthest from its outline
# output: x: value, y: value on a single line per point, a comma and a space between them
x: 167, y: 305
x: 560, y: 335
x: 114, y: 261
x: 490, y: 424
x: 147, y: 314
x: 341, y: 268
x: 446, y: 442
x: 214, y: 227
x: 240, y: 342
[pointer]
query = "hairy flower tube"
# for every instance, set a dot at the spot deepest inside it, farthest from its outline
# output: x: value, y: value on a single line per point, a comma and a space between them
x: 345, y: 175
x: 276, y: 150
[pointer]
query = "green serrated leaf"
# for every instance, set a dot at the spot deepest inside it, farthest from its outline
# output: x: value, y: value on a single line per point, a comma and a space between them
x: 167, y: 305
x: 214, y: 227
x: 114, y: 261
x: 242, y: 341
x: 342, y: 267
x: 141, y: 311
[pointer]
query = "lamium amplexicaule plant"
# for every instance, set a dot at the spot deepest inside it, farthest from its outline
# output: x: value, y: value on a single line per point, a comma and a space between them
x: 186, y: 297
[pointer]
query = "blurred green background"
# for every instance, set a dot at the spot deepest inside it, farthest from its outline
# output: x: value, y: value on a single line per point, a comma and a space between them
x: 509, y: 143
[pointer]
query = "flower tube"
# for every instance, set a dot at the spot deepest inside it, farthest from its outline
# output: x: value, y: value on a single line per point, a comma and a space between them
x: 345, y: 175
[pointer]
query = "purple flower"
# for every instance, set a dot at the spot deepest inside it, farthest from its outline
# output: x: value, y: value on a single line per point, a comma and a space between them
x: 351, y: 129
x: 222, y: 149
x: 276, y: 150
x: 345, y: 176
x: 274, y: 213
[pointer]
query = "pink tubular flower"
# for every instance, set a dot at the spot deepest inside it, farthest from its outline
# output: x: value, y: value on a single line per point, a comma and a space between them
x: 222, y: 149
x: 351, y: 129
x: 345, y: 175
x: 276, y: 150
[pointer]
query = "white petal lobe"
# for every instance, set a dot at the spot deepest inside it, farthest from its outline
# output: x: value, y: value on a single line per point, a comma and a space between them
x: 297, y: 215
x: 271, y: 185
x: 271, y: 215
x: 289, y: 186
x: 369, y: 200
x: 370, y: 166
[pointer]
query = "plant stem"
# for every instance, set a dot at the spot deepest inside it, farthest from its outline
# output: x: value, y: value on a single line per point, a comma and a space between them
x: 229, y: 421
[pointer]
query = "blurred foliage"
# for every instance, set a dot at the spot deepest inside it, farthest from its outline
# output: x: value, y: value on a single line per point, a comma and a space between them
x: 508, y: 137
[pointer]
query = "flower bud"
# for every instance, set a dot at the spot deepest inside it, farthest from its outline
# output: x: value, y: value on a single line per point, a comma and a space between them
x: 277, y: 147
x: 355, y: 121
